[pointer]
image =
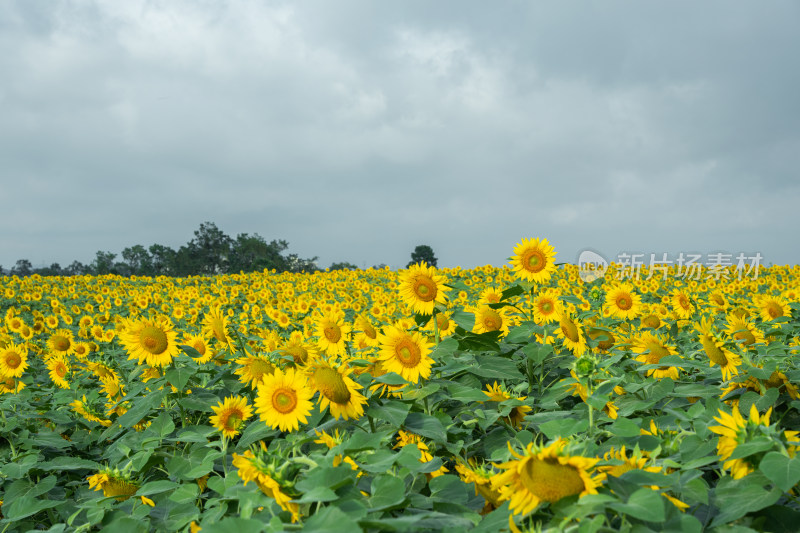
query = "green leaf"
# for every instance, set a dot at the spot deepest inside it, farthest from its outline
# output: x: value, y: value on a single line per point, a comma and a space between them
x: 465, y: 393
x: 537, y: 353
x: 257, y: 430
x: 27, y: 505
x: 781, y: 470
x: 623, y: 427
x: 140, y: 408
x: 386, y: 492
x: 69, y: 463
x: 757, y: 445
x: 464, y: 319
x: 328, y: 519
x: 391, y: 411
x: 425, y: 426
x: 495, y: 367
x: 737, y: 497
x: 390, y: 378
x: 156, y: 487
x: 179, y: 376
x: 644, y: 504
x: 317, y: 494
x: 564, y: 427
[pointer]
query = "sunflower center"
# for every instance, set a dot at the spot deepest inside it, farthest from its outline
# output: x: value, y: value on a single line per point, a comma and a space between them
x: 153, y: 340
x: 332, y: 333
x: 200, y: 346
x: 61, y: 370
x: 61, y: 343
x: 746, y: 336
x: 683, y: 301
x: 549, y: 480
x: 569, y: 330
x: 259, y: 367
x: 442, y: 322
x: 284, y: 400
x: 774, y: 310
x: 425, y: 289
x: 618, y: 470
x: 13, y: 360
x: 655, y: 352
x: 369, y: 331
x: 651, y: 321
x: 492, y: 321
x: 298, y: 353
x: 218, y: 329
x: 331, y: 385
x: 534, y: 261
x: 713, y: 352
x: 234, y: 420
x: 408, y: 353
x: 624, y: 302
x: 546, y: 307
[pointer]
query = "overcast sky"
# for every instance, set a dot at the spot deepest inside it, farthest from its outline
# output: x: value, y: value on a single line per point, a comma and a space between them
x: 357, y: 130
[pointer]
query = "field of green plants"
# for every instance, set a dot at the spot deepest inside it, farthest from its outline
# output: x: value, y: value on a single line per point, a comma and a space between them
x: 491, y: 399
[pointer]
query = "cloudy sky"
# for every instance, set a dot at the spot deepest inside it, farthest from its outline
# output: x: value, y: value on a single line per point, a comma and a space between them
x: 357, y: 130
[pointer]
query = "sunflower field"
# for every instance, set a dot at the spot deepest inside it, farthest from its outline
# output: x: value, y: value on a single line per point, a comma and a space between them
x: 520, y: 398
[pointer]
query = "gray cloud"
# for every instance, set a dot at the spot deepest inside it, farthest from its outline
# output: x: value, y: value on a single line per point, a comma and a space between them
x: 357, y: 130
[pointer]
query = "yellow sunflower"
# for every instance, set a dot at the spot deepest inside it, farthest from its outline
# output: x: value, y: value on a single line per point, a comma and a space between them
x: 284, y: 399
x: 252, y: 467
x: 546, y: 307
x: 651, y: 349
x: 571, y: 333
x: 544, y: 475
x: 151, y: 341
x: 298, y: 349
x: 682, y: 306
x: 617, y: 463
x: 488, y: 320
x: 421, y: 288
x: 498, y: 393
x: 336, y: 390
x: 405, y: 353
x: 215, y: 325
x: 534, y: 260
x: 735, y: 430
x: 229, y: 415
x: 772, y: 307
x: 481, y: 477
x: 405, y: 438
x: 61, y: 342
x: 623, y: 302
x: 13, y: 360
x: 198, y: 342
x: 715, y: 350
x: 332, y: 332
x: 743, y: 331
x: 253, y: 370
x: 113, y: 483
x: 59, y: 368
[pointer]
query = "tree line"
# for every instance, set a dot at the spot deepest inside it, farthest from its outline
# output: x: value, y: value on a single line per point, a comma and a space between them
x: 210, y: 252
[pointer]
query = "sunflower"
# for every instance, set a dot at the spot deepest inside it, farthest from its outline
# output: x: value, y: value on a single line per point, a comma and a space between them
x: 266, y: 475
x: 488, y: 319
x: 571, y: 333
x: 61, y: 342
x: 332, y: 331
x: 498, y: 393
x: 544, y: 474
x: 364, y: 325
x: 546, y: 307
x: 405, y: 353
x: 743, y: 331
x: 490, y: 295
x: 481, y: 477
x: 253, y: 370
x: 198, y: 342
x: 623, y: 302
x: 229, y: 415
x: 715, y: 350
x: 443, y: 324
x: 651, y: 349
x: 617, y: 463
x: 534, y: 260
x: 421, y: 288
x: 734, y: 430
x: 215, y: 325
x: 284, y: 399
x: 682, y: 306
x: 151, y: 341
x: 83, y: 408
x: 13, y: 361
x: 59, y: 368
x: 298, y: 349
x: 9, y: 385
x: 336, y: 390
x: 113, y: 483
x: 578, y: 389
x: 772, y: 307
x: 404, y: 438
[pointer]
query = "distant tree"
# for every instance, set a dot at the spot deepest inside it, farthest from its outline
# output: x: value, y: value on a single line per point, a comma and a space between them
x: 252, y: 253
x: 423, y: 252
x: 22, y: 268
x: 76, y: 268
x: 296, y: 264
x: 343, y: 266
x: 53, y: 270
x: 162, y: 260
x: 380, y: 266
x: 210, y: 249
x: 104, y: 263
x: 138, y: 261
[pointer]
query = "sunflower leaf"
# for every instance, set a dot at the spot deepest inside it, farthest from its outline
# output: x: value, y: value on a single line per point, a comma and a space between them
x: 781, y: 470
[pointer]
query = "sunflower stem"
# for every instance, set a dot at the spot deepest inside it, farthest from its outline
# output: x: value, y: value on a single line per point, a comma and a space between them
x: 435, y: 326
x: 371, y: 423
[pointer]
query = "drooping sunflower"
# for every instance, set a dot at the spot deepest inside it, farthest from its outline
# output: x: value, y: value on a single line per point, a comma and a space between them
x: 284, y: 399
x: 266, y: 475
x: 421, y: 288
x: 534, y: 260
x: 215, y: 325
x: 571, y: 333
x: 405, y: 353
x: 481, y: 477
x: 364, y: 325
x: 715, y: 350
x: 623, y: 302
x: 113, y: 483
x: 13, y: 360
x: 578, y: 389
x: 617, y: 462
x: 547, y: 307
x: 83, y: 408
x: 332, y: 332
x: 544, y: 475
x: 498, y: 393
x: 336, y: 390
x: 734, y: 431
x: 151, y: 341
x: 743, y: 331
x: 59, y: 368
x: 651, y: 349
x: 229, y: 415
